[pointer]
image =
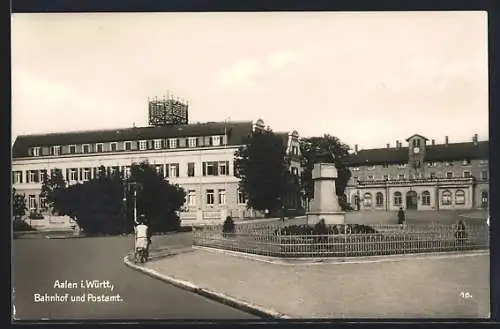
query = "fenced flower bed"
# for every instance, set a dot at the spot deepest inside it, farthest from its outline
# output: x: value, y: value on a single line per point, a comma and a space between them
x: 340, y: 241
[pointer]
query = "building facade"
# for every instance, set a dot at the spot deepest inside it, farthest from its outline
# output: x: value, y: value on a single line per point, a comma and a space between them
x: 198, y: 157
x: 420, y: 176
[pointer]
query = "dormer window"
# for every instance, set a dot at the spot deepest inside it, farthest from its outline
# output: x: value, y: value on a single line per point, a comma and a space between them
x: 56, y: 150
x: 157, y: 144
x: 99, y: 147
x: 143, y: 145
x: 172, y: 143
x: 72, y: 149
x: 128, y: 146
x: 114, y: 146
x: 35, y: 151
x: 216, y: 140
x: 86, y: 148
x: 192, y: 141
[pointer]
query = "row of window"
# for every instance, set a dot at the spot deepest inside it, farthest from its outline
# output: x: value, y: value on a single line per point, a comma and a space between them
x: 431, y: 164
x: 432, y: 175
x: 446, y: 198
x: 141, y: 145
x: 210, y: 197
x: 211, y: 168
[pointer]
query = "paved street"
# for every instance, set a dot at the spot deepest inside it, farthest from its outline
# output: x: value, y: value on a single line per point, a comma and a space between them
x: 38, y: 263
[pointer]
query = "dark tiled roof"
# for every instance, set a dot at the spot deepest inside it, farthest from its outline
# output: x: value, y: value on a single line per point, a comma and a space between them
x: 441, y: 152
x: 237, y: 132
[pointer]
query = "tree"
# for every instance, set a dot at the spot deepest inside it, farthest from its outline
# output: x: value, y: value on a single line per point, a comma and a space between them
x: 158, y: 200
x: 18, y: 204
x: 98, y: 207
x: 262, y: 169
x: 51, y: 187
x: 326, y: 149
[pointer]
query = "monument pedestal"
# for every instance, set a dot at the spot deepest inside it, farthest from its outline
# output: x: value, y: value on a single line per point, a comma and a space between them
x: 325, y: 204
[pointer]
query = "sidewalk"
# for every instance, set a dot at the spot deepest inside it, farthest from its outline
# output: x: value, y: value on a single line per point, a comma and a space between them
x: 408, y: 287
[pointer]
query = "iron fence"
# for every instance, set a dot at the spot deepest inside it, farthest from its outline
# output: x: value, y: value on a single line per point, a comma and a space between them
x: 267, y: 239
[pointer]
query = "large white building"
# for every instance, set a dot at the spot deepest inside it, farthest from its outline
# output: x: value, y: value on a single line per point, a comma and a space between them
x: 199, y: 157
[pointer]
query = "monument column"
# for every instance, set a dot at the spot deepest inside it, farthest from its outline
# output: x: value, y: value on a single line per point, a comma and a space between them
x: 325, y: 203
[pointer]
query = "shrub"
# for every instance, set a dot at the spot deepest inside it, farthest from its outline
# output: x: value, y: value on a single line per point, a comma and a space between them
x: 35, y: 215
x: 321, y: 228
x: 228, y: 226
x: 21, y: 226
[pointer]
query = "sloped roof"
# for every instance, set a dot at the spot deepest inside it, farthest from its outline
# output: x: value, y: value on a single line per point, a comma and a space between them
x: 237, y: 132
x: 440, y: 152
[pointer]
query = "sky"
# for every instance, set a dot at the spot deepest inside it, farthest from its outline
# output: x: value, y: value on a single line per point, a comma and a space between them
x: 368, y: 78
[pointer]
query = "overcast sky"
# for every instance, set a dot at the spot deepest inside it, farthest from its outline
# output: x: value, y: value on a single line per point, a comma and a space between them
x: 367, y: 78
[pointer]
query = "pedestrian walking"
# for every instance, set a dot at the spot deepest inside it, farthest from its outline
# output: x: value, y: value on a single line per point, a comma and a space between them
x: 401, y: 217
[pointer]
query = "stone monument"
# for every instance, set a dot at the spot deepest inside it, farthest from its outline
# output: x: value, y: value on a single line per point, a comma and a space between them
x: 325, y: 204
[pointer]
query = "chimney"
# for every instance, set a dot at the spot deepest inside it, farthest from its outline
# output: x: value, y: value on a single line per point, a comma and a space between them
x: 433, y: 142
x: 356, y: 148
x: 446, y: 140
x: 388, y: 145
x: 397, y: 144
x: 474, y: 139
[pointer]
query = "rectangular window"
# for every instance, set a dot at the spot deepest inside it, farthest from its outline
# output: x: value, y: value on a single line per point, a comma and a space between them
x: 449, y: 174
x: 386, y: 177
x: 483, y: 162
x: 31, y: 176
x: 210, y: 169
x: 128, y: 146
x: 72, y: 149
x: 210, y: 196
x: 73, y: 174
x: 35, y: 151
x: 158, y: 144
x: 143, y: 145
x: 191, y: 200
x: 433, y: 175
x: 370, y: 177
x: 56, y: 150
x: 32, y: 202
x: 172, y: 143
x: 224, y: 168
x: 42, y: 202
x: 113, y: 146
x: 241, y: 198
x: 127, y: 172
x: 192, y: 141
x: 86, y: 174
x: 222, y: 196
x: 174, y: 170
x: 295, y: 150
x: 466, y: 174
x: 295, y: 171
x: 401, y: 176
x: 216, y: 140
x: 86, y: 148
x: 190, y: 169
x: 99, y: 147
x: 484, y: 174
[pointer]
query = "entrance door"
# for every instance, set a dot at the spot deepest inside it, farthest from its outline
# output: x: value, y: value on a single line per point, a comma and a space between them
x: 411, y: 200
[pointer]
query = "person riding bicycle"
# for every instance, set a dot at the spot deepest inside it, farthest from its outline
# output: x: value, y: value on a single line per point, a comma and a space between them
x: 142, y: 237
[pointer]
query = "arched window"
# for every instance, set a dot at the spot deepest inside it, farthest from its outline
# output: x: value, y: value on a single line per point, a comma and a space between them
x: 367, y: 200
x: 459, y: 197
x: 426, y: 198
x: 446, y: 198
x: 379, y: 199
x: 398, y: 199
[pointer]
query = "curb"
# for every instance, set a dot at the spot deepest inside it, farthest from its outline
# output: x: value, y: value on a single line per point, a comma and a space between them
x: 219, y: 297
x: 340, y: 261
